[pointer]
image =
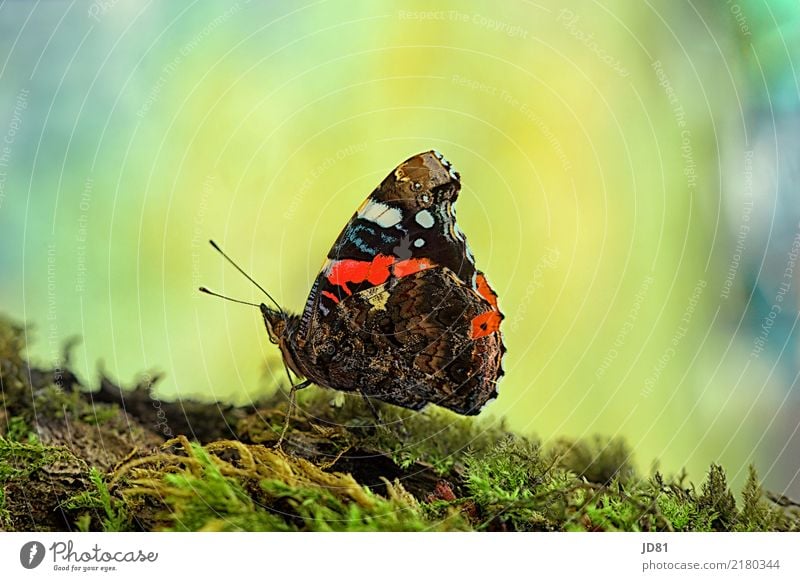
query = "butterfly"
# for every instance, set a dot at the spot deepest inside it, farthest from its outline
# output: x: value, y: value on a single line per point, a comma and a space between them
x: 399, y: 311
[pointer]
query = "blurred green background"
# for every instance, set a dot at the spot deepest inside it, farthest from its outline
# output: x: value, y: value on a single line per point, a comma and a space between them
x: 629, y: 187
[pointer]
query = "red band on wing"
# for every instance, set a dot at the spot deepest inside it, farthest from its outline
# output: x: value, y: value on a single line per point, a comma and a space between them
x: 348, y: 270
x: 486, y: 291
x: 375, y: 271
x: 410, y: 266
x: 485, y: 324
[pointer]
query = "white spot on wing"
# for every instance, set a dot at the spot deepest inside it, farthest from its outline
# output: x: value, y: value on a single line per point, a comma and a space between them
x: 424, y: 219
x: 441, y: 158
x: 419, y: 242
x: 381, y: 214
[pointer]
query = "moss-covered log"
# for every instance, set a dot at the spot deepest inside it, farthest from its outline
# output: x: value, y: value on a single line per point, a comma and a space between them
x: 75, y: 457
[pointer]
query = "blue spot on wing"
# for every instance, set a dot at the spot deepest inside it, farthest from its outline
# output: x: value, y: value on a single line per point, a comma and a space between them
x: 354, y: 234
x: 364, y: 240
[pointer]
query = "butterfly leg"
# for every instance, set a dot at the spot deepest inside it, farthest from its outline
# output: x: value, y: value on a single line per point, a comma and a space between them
x: 380, y: 423
x: 375, y: 413
x: 292, y: 406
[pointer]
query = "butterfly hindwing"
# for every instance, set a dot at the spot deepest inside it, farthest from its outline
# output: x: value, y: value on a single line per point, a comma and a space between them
x: 413, y: 341
x: 399, y: 312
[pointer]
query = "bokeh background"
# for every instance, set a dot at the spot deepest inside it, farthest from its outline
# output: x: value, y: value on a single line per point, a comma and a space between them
x: 630, y: 177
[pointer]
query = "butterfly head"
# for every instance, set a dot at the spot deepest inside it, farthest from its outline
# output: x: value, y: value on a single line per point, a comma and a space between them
x: 281, y: 328
x: 425, y: 180
x: 276, y: 323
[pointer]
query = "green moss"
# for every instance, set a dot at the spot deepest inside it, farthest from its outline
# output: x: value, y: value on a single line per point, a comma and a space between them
x: 12, y: 342
x: 756, y: 514
x: 12, y: 365
x: 614, y: 512
x: 18, y: 430
x: 18, y: 460
x: 717, y: 502
x: 5, y: 515
x: 436, y: 437
x: 100, y: 414
x: 321, y: 509
x: 510, y: 486
x: 55, y: 402
x: 598, y: 459
x: 681, y: 514
x: 25, y: 466
x: 107, y: 510
x: 230, y: 486
x: 204, y: 499
x: 417, y: 471
x: 490, y: 480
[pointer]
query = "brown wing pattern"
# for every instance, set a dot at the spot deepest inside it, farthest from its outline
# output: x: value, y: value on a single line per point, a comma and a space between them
x: 409, y: 342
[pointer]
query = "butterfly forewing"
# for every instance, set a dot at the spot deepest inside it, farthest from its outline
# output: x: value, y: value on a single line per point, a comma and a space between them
x: 399, y: 311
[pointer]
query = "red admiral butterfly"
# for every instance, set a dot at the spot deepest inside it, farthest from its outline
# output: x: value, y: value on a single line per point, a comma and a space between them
x: 399, y: 311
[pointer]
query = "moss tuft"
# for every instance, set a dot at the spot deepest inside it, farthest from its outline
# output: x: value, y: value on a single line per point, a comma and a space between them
x: 599, y: 459
x: 756, y: 514
x: 509, y: 486
x: 717, y: 502
x: 108, y: 511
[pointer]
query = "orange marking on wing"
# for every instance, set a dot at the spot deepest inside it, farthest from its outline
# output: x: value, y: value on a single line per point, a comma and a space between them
x: 348, y: 270
x: 375, y: 271
x: 410, y: 266
x: 486, y: 291
x: 331, y: 296
x: 485, y: 324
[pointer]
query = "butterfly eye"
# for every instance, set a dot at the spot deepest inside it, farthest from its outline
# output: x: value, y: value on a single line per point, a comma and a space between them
x: 416, y: 186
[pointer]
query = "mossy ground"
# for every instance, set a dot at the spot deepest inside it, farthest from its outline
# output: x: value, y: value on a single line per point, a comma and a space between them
x: 112, y: 460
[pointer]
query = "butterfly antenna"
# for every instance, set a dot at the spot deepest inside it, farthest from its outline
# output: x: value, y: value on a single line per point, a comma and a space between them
x: 247, y: 276
x: 203, y: 289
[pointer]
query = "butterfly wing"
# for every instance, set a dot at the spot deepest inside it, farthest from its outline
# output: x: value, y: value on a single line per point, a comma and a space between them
x: 406, y: 225
x: 399, y: 311
x: 427, y: 337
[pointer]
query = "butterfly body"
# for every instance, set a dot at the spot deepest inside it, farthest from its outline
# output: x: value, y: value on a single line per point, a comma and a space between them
x: 399, y: 311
